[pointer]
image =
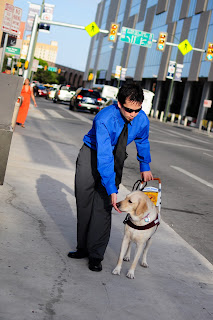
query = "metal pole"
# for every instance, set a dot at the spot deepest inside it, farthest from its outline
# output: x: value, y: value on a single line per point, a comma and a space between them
x: 30, y: 53
x: 170, y: 92
x: 3, y: 51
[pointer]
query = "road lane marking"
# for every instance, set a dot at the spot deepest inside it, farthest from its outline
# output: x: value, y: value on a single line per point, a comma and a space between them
x: 76, y: 115
x: 188, y: 137
x: 36, y: 114
x: 178, y: 145
x: 161, y: 131
x: 54, y: 114
x: 170, y: 132
x: 208, y: 154
x: 191, y: 175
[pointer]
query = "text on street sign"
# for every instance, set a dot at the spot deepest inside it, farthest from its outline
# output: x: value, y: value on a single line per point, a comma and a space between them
x: 137, y: 37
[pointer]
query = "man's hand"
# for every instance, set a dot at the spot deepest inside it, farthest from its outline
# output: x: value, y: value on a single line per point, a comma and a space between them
x: 114, y: 201
x: 146, y: 176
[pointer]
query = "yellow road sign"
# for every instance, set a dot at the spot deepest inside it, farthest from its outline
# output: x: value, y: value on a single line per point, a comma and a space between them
x: 185, y: 47
x: 92, y: 29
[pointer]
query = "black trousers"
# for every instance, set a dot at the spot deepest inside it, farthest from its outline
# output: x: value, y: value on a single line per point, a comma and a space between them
x: 93, y: 205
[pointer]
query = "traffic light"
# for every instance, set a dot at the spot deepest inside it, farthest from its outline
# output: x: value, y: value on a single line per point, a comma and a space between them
x: 113, y: 32
x: 59, y: 71
x: 90, y: 77
x: 45, y: 68
x: 162, y: 41
x: 209, y: 52
x: 26, y: 65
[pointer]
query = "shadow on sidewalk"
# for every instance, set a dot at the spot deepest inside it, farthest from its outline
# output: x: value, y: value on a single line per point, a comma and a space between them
x: 53, y: 196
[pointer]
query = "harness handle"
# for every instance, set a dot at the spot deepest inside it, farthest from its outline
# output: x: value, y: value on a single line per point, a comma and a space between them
x: 140, y: 184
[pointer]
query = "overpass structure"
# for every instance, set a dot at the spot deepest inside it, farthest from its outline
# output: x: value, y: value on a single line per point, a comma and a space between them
x: 72, y: 76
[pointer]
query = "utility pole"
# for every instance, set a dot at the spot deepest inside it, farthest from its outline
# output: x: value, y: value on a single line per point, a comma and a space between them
x: 170, y: 91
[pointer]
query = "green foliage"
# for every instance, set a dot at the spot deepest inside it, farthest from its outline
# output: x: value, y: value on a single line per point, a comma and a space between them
x: 46, y: 76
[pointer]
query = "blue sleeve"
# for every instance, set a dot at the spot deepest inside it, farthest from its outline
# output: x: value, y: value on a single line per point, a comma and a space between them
x: 143, y: 148
x: 105, y: 158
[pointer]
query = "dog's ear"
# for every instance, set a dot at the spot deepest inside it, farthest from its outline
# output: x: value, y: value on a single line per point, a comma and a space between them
x: 142, y: 207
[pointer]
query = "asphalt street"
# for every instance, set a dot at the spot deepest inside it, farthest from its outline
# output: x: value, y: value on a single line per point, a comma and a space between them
x: 181, y: 157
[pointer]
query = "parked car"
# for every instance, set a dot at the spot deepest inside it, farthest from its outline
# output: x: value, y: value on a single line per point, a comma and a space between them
x: 51, y: 93
x: 86, y: 99
x: 64, y: 93
x: 39, y: 90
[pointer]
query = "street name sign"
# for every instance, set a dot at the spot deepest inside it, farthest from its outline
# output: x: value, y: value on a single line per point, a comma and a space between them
x: 185, y: 47
x: 53, y: 69
x: 13, y: 51
x: 138, y: 37
x: 92, y: 29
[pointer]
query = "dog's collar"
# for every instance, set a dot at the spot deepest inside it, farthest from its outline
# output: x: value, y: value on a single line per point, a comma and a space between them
x: 150, y: 225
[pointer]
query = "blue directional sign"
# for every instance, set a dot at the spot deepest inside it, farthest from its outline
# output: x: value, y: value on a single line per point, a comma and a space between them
x: 138, y: 37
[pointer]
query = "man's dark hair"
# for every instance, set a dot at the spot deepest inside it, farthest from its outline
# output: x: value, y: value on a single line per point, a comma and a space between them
x: 8, y: 68
x: 132, y: 91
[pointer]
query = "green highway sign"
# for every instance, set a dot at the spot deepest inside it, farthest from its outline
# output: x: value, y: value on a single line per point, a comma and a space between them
x: 13, y: 50
x: 53, y: 69
x: 138, y: 37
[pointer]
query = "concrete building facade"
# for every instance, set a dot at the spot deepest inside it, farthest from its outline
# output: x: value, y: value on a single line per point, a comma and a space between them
x: 181, y: 19
x: 43, y: 51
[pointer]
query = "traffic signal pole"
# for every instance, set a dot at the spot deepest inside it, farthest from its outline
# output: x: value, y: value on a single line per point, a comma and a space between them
x: 34, y: 36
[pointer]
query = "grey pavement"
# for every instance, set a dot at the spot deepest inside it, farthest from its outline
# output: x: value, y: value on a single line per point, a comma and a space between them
x: 38, y: 228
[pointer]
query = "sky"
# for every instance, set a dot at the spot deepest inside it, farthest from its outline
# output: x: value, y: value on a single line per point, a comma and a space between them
x: 73, y: 44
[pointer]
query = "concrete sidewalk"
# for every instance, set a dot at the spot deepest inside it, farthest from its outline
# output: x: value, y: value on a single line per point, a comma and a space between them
x: 38, y: 228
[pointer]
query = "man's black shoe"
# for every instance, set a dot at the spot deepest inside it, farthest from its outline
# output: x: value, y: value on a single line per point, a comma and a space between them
x: 79, y: 254
x: 95, y: 264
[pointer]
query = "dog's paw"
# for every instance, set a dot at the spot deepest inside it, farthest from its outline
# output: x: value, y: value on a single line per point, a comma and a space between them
x: 130, y: 274
x: 126, y: 258
x: 116, y: 271
x: 144, y: 264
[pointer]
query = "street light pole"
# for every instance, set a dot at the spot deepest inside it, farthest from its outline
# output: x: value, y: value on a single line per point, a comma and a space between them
x: 170, y: 92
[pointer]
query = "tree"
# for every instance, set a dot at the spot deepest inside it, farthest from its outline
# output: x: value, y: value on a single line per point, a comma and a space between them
x: 46, y: 76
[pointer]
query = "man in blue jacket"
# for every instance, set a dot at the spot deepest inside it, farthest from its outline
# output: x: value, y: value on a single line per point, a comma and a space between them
x: 96, y: 183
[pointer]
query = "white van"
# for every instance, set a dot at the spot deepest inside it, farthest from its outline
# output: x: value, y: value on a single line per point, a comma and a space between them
x: 107, y: 92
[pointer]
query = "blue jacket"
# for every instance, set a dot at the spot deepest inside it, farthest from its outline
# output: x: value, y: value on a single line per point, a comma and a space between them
x: 107, y: 126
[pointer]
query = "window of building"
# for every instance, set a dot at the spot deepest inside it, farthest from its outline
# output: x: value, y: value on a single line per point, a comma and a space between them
x: 195, y: 22
x: 151, y: 3
x: 192, y: 7
x: 134, y: 10
x: 210, y: 5
x: 122, y: 10
x: 105, y: 15
x: 177, y: 9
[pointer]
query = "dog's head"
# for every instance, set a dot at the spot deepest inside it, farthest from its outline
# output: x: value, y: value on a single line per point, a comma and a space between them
x: 137, y: 204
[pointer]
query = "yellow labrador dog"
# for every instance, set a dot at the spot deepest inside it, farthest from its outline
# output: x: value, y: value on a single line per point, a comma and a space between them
x: 141, y: 224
